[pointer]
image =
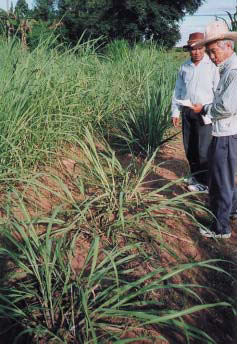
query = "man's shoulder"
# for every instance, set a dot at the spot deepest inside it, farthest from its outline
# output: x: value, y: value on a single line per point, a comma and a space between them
x: 233, y: 64
x: 186, y: 64
x: 206, y: 60
x: 232, y: 75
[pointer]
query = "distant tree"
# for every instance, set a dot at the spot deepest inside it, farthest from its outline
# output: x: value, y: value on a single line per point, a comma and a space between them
x: 44, y: 9
x: 126, y: 19
x: 21, y: 8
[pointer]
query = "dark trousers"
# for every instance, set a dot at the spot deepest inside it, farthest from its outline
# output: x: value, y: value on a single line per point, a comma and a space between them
x: 196, y: 140
x: 221, y: 181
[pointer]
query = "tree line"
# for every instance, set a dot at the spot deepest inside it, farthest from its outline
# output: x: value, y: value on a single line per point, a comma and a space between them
x: 132, y: 20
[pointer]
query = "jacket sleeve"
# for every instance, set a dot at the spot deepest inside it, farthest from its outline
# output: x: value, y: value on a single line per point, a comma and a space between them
x: 175, y: 108
x: 216, y: 78
x: 225, y: 103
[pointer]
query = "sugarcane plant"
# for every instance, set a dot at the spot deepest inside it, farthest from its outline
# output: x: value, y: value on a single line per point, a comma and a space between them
x: 233, y: 20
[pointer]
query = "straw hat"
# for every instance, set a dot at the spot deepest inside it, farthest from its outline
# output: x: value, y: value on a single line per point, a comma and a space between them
x: 215, y: 31
x: 193, y: 38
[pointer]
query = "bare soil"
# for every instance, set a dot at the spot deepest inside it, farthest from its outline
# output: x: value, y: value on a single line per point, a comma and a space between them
x: 187, y: 246
x: 182, y: 238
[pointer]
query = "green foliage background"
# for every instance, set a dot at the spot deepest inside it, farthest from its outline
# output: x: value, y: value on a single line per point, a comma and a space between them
x: 133, y: 20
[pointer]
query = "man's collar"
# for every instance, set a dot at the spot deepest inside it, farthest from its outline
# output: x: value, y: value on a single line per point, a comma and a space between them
x: 225, y: 64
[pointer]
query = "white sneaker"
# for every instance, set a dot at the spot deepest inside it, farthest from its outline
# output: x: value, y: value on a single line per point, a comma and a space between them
x: 190, y: 180
x: 210, y: 234
x: 233, y: 215
x: 198, y: 188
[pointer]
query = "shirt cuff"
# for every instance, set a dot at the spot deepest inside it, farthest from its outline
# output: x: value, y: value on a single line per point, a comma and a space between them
x: 175, y: 114
x: 206, y: 109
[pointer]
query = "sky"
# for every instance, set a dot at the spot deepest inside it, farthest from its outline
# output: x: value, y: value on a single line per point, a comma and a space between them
x: 205, y: 14
x: 3, y: 3
x: 196, y: 23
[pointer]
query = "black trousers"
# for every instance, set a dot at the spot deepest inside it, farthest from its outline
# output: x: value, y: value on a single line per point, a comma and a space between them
x: 221, y: 180
x: 196, y: 140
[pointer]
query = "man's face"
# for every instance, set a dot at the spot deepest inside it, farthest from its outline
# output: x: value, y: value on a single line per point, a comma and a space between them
x: 196, y: 54
x: 217, y: 53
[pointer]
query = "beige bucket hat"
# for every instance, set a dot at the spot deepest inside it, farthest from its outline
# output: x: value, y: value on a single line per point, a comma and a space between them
x: 215, y: 31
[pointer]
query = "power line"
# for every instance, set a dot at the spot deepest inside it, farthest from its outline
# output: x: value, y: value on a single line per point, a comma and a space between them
x: 209, y: 15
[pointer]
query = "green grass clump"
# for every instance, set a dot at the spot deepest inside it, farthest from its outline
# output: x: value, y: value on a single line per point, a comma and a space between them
x: 49, y: 97
x: 44, y: 298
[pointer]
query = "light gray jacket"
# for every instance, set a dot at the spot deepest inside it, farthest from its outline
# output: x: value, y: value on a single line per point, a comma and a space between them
x: 223, y: 110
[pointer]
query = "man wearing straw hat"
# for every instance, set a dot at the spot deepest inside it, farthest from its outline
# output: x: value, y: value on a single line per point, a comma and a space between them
x: 219, y: 42
x: 197, y: 80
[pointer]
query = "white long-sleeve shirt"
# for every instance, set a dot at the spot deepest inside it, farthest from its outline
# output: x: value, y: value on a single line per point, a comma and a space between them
x: 195, y: 82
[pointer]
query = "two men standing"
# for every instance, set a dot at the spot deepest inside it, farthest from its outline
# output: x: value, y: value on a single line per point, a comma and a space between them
x: 222, y: 112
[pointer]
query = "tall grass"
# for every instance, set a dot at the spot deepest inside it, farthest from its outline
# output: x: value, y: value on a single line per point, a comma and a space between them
x: 49, y: 97
x: 143, y: 128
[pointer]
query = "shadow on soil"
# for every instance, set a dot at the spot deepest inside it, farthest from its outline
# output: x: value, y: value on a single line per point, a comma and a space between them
x: 9, y: 329
x: 219, y: 323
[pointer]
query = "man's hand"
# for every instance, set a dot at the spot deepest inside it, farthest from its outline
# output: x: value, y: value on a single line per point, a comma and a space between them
x: 175, y: 121
x: 197, y: 108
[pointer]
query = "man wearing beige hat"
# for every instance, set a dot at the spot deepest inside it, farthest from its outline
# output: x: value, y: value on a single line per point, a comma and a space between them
x: 196, y: 82
x: 219, y: 42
